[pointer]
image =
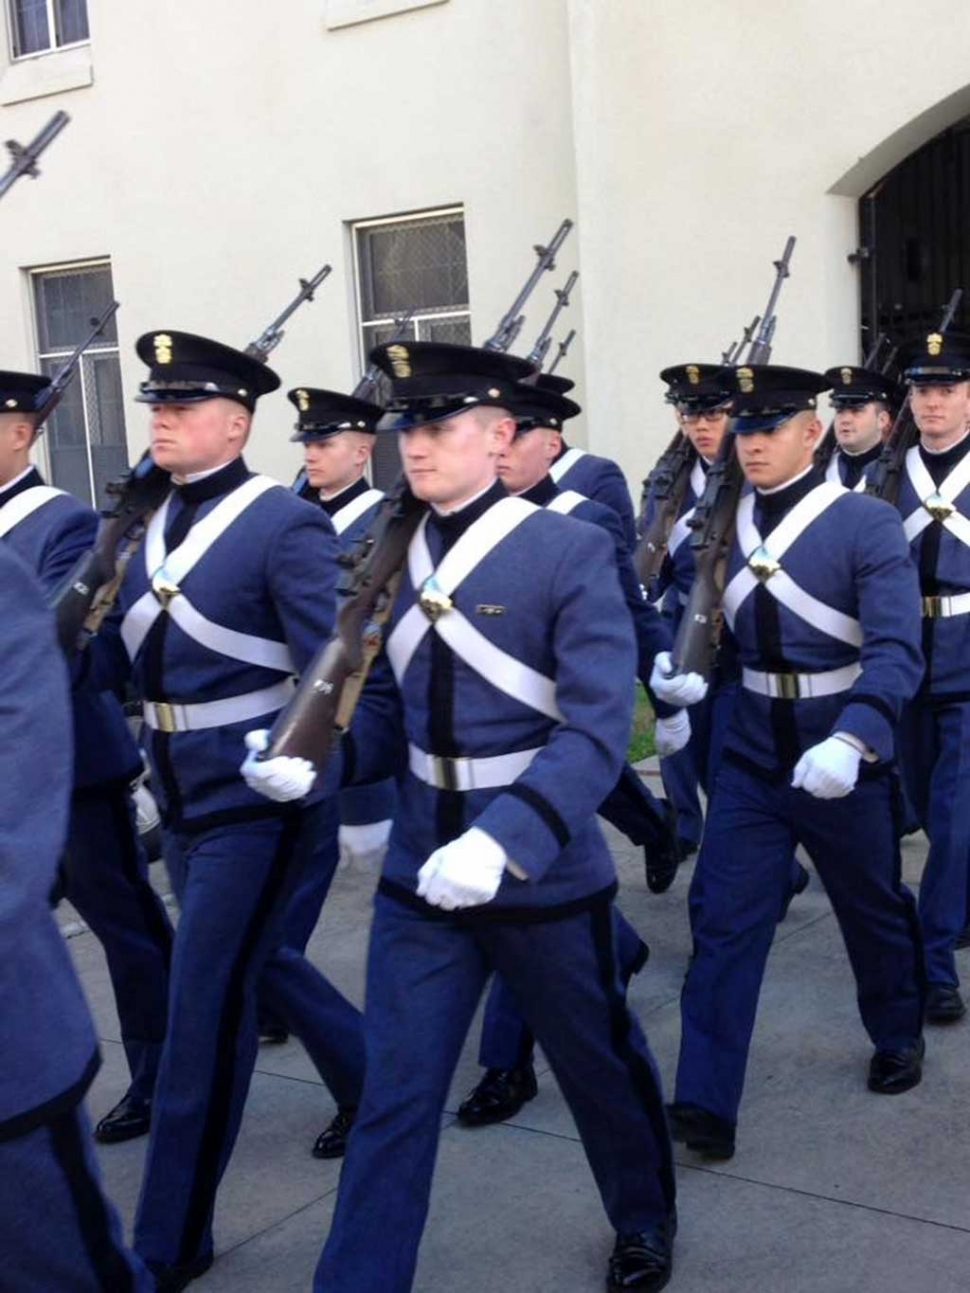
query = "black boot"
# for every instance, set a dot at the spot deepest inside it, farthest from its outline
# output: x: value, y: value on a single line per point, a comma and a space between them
x: 131, y: 1117
x: 499, y: 1095
x: 332, y: 1141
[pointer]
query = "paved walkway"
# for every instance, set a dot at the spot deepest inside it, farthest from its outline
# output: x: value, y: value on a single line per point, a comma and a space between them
x: 831, y: 1188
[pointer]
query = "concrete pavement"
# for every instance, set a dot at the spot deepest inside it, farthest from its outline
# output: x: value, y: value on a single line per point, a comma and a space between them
x: 831, y: 1189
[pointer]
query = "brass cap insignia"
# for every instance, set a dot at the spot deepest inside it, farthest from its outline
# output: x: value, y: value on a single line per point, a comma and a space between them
x: 400, y: 360
x: 745, y: 380
x: 762, y: 564
x: 433, y: 601
x: 934, y: 343
x: 303, y: 401
x: 846, y: 376
x: 163, y: 348
x: 693, y: 375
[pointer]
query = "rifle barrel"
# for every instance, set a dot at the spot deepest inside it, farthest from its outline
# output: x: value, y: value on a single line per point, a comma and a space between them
x: 563, y: 350
x: 760, y: 349
x: 510, y: 324
x: 25, y: 157
x: 537, y: 355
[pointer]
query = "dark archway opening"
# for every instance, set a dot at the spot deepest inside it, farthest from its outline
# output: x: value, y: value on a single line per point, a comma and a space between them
x: 915, y: 240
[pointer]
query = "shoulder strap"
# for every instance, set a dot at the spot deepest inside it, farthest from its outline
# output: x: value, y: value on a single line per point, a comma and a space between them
x: 569, y: 459
x: 566, y: 502
x: 24, y: 505
x: 344, y: 518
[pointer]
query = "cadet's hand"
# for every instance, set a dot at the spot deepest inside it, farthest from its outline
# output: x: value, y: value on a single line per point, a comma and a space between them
x: 364, y: 846
x: 465, y: 873
x: 672, y: 734
x: 281, y: 779
x: 678, y: 689
x: 828, y: 770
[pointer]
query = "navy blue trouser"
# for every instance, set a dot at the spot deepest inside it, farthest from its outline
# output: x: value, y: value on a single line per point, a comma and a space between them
x: 695, y: 766
x: 741, y: 877
x: 934, y: 747
x: 105, y: 874
x: 235, y: 883
x: 425, y: 977
x: 507, y: 1041
x: 58, y: 1231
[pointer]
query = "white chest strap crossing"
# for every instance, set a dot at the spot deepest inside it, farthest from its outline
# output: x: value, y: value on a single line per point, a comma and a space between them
x: 569, y: 459
x: 834, y: 475
x: 566, y: 502
x: 949, y: 491
x: 681, y: 528
x: 173, y: 568
x: 24, y: 505
x: 345, y: 516
x: 496, y: 666
x: 781, y: 585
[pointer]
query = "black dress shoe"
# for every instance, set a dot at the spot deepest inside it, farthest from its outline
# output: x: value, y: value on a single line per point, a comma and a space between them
x: 636, y: 965
x: 130, y: 1117
x: 963, y: 938
x: 273, y: 1035
x: 702, y: 1131
x: 663, y: 858
x: 500, y: 1095
x: 799, y: 886
x: 944, y: 1005
x: 172, y: 1279
x: 642, y: 1259
x: 891, y: 1072
x: 332, y: 1141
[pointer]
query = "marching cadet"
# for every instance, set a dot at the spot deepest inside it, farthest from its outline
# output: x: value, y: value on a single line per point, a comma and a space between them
x: 508, y: 672
x: 862, y: 402
x: 589, y: 474
x: 104, y: 871
x: 506, y: 1048
x: 57, y: 1229
x: 934, y: 501
x: 822, y: 600
x: 229, y: 598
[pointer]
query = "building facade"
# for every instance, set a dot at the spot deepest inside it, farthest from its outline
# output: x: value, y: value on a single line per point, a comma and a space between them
x: 219, y: 152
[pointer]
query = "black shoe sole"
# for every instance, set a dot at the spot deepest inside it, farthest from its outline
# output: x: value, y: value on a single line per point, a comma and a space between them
x: 118, y: 1135
x: 653, y: 1287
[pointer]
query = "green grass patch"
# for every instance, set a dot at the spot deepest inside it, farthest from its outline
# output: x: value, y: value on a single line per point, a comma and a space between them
x: 641, y: 736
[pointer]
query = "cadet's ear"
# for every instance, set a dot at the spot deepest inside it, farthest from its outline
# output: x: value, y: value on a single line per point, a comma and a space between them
x: 813, y: 431
x: 503, y: 432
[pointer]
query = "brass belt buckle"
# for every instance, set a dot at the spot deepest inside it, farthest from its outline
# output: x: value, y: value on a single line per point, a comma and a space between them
x: 444, y: 771
x: 788, y: 687
x: 164, y: 716
x: 932, y: 608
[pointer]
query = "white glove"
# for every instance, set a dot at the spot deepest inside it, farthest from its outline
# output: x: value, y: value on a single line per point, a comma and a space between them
x: 282, y: 778
x: 828, y: 770
x: 675, y: 688
x: 672, y: 734
x: 364, y: 846
x: 465, y: 873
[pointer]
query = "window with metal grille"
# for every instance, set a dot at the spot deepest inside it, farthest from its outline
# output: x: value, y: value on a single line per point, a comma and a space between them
x: 85, y: 436
x: 40, y: 25
x: 410, y: 263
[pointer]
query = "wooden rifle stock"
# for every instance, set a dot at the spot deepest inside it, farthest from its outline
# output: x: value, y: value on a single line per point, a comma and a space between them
x: 695, y: 645
x: 88, y: 591
x: 327, y: 695
x: 667, y: 484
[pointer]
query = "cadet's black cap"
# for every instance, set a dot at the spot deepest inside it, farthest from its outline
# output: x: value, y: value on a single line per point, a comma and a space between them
x: 697, y: 387
x: 326, y: 413
x: 533, y: 407
x: 852, y: 387
x: 938, y: 358
x: 19, y: 391
x: 765, y: 395
x: 431, y: 380
x: 553, y: 382
x: 185, y: 369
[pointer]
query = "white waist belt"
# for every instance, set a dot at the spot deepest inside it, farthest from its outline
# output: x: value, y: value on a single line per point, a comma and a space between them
x: 944, y: 608
x: 798, y: 686
x: 163, y: 716
x: 468, y: 774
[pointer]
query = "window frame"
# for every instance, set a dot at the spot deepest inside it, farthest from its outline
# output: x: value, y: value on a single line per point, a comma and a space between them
x: 97, y: 348
x: 54, y: 48
x: 360, y: 323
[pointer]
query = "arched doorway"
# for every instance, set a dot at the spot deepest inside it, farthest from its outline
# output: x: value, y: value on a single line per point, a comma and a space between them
x: 915, y: 240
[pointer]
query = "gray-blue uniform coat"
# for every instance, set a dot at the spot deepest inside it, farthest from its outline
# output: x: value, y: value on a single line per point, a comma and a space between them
x: 511, y: 713
x: 57, y: 1230
x: 105, y: 872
